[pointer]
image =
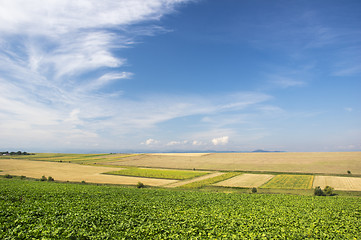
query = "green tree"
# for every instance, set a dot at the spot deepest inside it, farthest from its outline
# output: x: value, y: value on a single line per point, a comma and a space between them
x: 318, y: 191
x: 328, y: 191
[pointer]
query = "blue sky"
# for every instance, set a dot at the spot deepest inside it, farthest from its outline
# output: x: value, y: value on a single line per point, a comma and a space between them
x: 181, y: 75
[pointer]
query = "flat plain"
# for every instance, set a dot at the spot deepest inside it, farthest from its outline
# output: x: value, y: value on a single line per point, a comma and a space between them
x: 254, y: 166
x: 303, y: 162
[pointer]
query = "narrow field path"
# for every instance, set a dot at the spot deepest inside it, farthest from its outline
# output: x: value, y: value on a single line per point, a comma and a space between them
x: 181, y: 183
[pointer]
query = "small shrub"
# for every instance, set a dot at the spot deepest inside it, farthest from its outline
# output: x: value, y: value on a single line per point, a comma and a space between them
x: 22, y: 177
x: 43, y: 178
x: 83, y: 182
x: 8, y: 176
x: 140, y: 185
x: 50, y: 179
x: 328, y: 191
x: 348, y: 172
x: 318, y: 191
x: 254, y: 190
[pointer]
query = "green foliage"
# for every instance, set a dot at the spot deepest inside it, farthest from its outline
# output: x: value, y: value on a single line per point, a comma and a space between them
x: 328, y: 191
x: 43, y: 210
x: 8, y: 176
x: 43, y: 178
x: 254, y: 190
x: 210, y: 181
x: 158, y: 173
x: 318, y: 191
x: 348, y: 172
x: 140, y: 185
x: 50, y: 179
x: 290, y: 182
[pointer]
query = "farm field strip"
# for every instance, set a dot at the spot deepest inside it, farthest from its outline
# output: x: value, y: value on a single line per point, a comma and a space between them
x: 179, y: 154
x: 72, y: 172
x: 290, y: 182
x: 246, y: 180
x: 209, y: 181
x: 316, y: 163
x: 338, y: 183
x: 158, y: 173
x: 184, y: 182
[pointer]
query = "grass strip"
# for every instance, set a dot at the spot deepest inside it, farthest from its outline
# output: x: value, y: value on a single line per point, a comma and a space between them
x: 290, y: 182
x: 210, y: 181
x: 158, y: 173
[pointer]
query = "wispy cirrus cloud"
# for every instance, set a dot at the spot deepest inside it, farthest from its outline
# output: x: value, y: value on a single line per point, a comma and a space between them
x: 56, y: 60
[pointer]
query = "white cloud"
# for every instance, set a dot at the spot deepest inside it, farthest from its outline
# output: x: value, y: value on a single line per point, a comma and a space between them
x: 173, y: 143
x: 220, y: 141
x: 197, y: 143
x: 348, y: 109
x: 151, y: 141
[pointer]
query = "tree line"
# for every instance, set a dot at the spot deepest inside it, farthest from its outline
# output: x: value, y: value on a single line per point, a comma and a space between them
x: 15, y: 153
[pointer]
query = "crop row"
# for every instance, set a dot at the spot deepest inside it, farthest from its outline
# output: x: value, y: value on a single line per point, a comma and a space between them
x: 158, y: 173
x: 48, y: 210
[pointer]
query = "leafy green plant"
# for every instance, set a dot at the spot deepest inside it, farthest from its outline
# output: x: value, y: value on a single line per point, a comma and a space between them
x: 50, y: 179
x: 254, y: 190
x: 32, y: 210
x: 140, y: 185
x: 8, y: 176
x: 43, y: 178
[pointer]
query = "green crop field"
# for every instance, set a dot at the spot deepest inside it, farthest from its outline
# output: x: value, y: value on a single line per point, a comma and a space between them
x: 290, y: 182
x: 209, y: 181
x: 158, y: 173
x: 50, y: 210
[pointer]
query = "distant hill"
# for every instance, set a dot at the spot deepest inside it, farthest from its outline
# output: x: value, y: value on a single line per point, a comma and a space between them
x: 264, y: 151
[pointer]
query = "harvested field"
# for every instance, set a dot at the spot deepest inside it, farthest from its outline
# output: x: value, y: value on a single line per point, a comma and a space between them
x: 338, y: 183
x: 72, y: 172
x: 179, y: 154
x: 290, y: 182
x: 305, y: 162
x: 246, y: 180
x: 181, y: 183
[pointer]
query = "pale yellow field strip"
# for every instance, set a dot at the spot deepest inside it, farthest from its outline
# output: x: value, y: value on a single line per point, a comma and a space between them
x: 338, y: 183
x: 180, y: 183
x: 246, y: 180
x: 179, y: 154
x: 332, y: 162
x: 72, y: 172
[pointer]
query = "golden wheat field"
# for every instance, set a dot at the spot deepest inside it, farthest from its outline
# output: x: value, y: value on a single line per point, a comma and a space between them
x: 72, y: 172
x: 305, y: 162
x: 338, y: 183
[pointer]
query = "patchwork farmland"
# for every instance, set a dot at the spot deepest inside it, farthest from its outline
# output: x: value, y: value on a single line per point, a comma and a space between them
x: 195, y: 170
